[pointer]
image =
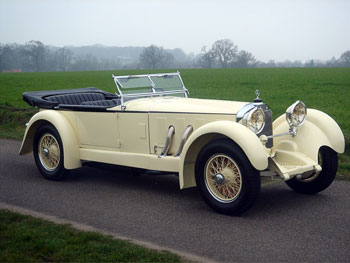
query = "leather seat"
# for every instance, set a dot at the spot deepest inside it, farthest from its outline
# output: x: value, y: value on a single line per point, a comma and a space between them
x: 107, y: 103
x: 76, y: 98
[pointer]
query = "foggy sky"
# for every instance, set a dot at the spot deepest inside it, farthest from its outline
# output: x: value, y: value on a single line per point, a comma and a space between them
x: 270, y: 29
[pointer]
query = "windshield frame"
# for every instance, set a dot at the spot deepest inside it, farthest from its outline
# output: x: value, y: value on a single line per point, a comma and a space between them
x: 154, y: 89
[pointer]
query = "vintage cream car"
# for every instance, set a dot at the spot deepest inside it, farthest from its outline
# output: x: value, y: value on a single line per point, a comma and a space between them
x: 225, y: 148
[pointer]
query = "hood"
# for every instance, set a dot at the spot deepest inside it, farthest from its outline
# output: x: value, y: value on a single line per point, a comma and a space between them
x: 185, y: 105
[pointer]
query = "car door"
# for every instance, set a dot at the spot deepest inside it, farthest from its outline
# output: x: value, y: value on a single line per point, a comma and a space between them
x: 97, y: 129
x: 133, y: 132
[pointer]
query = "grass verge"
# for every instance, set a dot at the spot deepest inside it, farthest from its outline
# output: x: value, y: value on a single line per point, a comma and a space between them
x: 13, y: 120
x: 43, y: 241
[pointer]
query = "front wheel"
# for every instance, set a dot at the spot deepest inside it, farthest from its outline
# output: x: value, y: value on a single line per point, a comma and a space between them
x: 48, y: 152
x: 226, y: 179
x: 328, y: 159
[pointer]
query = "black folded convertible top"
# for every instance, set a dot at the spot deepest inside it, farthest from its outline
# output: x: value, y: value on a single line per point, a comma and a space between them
x: 37, y: 98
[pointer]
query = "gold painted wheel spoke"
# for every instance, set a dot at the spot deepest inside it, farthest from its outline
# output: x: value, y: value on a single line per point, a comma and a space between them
x: 49, y: 152
x: 228, y: 186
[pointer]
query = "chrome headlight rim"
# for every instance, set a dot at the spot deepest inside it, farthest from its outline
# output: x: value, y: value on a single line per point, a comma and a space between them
x: 291, y: 112
x: 251, y: 116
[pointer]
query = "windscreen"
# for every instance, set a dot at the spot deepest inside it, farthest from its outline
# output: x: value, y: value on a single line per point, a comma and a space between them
x: 167, y: 82
x: 163, y: 84
x: 134, y: 85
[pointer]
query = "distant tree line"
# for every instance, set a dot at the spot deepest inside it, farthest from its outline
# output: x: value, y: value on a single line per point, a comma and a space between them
x: 225, y: 54
x: 34, y: 56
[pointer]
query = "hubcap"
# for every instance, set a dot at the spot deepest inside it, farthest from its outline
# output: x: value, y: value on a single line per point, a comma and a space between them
x: 223, y: 178
x: 46, y: 152
x: 219, y: 179
x: 49, y: 152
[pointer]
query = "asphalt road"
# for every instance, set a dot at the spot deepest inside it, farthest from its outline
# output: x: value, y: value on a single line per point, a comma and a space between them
x: 282, y: 226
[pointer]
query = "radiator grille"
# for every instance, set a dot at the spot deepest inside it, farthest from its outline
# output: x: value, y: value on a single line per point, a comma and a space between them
x: 268, y: 127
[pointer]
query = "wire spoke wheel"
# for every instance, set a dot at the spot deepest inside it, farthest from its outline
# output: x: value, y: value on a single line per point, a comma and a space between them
x: 223, y: 178
x: 49, y: 152
x: 226, y: 179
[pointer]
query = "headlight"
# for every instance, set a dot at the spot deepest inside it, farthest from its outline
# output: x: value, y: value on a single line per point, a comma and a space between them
x: 296, y: 114
x: 254, y: 120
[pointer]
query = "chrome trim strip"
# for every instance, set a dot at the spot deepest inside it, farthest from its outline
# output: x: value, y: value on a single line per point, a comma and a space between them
x: 171, y: 132
x: 146, y: 75
x: 187, y: 132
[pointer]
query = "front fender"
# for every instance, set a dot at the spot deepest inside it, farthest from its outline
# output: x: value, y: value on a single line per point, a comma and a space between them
x: 318, y: 130
x: 64, y: 128
x: 241, y: 135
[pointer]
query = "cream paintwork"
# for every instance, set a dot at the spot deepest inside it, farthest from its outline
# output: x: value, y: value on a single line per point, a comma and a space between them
x: 184, y: 105
x: 64, y: 128
x: 159, y: 124
x: 240, y: 134
x: 299, y: 154
x: 318, y: 130
x: 135, y: 137
x: 146, y: 161
x: 133, y: 130
x: 97, y: 129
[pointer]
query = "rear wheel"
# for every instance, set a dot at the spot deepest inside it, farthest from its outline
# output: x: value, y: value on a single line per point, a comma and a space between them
x: 328, y: 159
x: 48, y: 152
x: 227, y: 181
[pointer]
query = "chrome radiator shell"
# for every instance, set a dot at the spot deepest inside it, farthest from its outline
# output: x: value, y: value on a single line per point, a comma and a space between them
x: 267, y: 130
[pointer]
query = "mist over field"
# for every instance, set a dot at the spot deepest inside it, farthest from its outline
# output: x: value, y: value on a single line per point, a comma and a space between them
x: 106, y: 35
x: 35, y: 56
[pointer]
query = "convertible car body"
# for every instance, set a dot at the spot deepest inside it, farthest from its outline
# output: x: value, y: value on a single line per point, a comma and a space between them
x: 226, y: 148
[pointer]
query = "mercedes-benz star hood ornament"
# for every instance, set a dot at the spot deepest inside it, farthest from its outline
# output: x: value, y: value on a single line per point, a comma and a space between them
x: 257, y: 99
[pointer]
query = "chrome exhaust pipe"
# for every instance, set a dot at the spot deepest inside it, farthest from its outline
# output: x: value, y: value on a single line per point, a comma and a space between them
x: 169, y: 137
x: 185, y: 135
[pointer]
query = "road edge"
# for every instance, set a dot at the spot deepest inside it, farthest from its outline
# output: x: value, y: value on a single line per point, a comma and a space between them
x: 185, y: 256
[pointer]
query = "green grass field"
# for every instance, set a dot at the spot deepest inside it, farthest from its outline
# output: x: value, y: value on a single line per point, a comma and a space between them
x: 27, y: 239
x: 325, y: 89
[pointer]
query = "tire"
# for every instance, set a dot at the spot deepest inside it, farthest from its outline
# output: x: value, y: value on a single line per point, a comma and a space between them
x: 48, y: 152
x: 138, y: 171
x: 328, y: 159
x: 228, y: 182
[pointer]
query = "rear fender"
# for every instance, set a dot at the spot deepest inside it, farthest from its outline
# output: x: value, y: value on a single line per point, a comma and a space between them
x: 241, y: 135
x: 64, y: 128
x: 318, y: 130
